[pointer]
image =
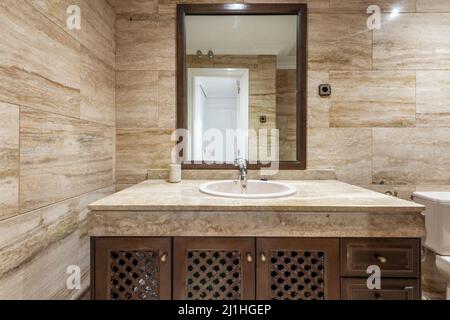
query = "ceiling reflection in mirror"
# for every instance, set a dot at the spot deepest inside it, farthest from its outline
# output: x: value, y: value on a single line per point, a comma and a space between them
x: 241, y: 88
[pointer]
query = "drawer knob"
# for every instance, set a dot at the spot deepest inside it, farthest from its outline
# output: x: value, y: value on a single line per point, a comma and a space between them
x: 164, y: 257
x: 381, y: 259
x: 263, y: 257
x: 249, y: 258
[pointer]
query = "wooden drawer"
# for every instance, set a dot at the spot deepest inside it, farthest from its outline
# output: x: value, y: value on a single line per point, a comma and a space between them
x: 391, y: 289
x: 395, y: 257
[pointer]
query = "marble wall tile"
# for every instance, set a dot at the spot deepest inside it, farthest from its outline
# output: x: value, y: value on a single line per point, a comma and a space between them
x: 433, y: 188
x: 206, y: 174
x: 166, y: 99
x: 169, y: 6
x: 97, y: 24
x: 313, y: 5
x: 339, y: 42
x: 64, y: 156
x: 44, y: 277
x: 98, y: 30
x: 318, y: 107
x: 138, y: 150
x: 26, y: 235
x: 63, y: 82
x: 346, y: 150
x: 433, y: 6
x: 9, y: 160
x: 137, y: 99
x: 153, y: 49
x: 411, y: 155
x: 372, y: 99
x: 55, y: 10
x: 33, y: 256
x: 135, y: 49
x: 97, y: 90
x: 359, y: 6
x: 433, y: 98
x: 423, y: 46
x: 97, y: 147
x: 29, y: 48
x: 286, y: 111
x: 49, y: 158
x: 166, y: 55
x: 267, y: 69
x: 135, y: 7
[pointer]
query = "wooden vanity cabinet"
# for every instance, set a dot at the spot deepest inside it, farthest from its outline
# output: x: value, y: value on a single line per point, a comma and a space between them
x: 131, y: 268
x: 234, y: 268
x: 297, y: 269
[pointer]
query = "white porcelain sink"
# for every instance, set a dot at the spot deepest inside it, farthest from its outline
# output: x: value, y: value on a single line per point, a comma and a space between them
x: 255, y: 189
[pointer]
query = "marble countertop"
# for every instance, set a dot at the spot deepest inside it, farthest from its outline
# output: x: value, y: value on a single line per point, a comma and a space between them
x: 312, y: 196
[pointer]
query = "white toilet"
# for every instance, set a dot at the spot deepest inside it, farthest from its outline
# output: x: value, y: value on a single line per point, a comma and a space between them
x: 437, y: 222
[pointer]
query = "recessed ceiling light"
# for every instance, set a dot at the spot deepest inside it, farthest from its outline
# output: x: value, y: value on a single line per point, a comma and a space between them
x: 394, y: 13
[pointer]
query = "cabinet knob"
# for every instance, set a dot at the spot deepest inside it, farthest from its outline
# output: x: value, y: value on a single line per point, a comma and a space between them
x: 263, y: 257
x: 381, y: 259
x: 249, y: 258
x: 378, y: 296
x: 164, y: 257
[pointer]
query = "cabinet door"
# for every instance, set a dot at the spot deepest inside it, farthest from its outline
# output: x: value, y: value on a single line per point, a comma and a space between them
x: 214, y: 268
x: 131, y: 268
x: 297, y: 268
x: 391, y: 289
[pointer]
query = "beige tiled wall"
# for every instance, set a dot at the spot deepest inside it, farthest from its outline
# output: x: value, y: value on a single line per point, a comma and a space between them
x: 57, y: 133
x: 387, y: 123
x: 286, y: 113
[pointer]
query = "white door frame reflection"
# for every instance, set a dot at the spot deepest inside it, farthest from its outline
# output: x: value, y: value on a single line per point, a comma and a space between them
x: 219, y: 98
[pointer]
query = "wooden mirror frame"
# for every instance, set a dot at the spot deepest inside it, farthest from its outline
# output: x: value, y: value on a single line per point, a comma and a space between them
x: 247, y: 9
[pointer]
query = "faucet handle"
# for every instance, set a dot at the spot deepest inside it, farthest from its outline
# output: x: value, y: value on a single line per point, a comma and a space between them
x: 240, y: 162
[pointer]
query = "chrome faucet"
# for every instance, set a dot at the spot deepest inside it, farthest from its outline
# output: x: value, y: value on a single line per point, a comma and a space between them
x: 243, y: 171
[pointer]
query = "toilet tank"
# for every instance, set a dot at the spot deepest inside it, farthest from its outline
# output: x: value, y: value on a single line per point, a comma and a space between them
x: 437, y: 220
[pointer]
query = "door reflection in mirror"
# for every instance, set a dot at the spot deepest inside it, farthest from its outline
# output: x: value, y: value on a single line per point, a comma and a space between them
x: 218, y: 101
x: 252, y: 75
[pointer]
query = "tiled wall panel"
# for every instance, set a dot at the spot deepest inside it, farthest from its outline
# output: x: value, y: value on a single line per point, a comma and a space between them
x: 57, y: 140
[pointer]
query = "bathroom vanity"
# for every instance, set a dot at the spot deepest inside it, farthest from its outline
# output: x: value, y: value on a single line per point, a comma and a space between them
x: 158, y: 240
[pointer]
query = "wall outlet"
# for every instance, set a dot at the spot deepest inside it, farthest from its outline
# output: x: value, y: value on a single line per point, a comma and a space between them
x: 324, y: 90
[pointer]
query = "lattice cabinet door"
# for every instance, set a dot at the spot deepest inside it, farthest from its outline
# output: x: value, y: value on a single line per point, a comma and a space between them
x: 131, y: 268
x: 297, y: 269
x: 214, y: 268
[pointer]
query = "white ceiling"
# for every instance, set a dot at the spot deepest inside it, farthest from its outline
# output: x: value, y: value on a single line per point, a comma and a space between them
x: 246, y: 35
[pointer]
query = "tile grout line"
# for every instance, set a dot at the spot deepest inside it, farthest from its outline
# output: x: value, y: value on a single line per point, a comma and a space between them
x: 19, y: 162
x: 57, y: 114
x: 56, y: 203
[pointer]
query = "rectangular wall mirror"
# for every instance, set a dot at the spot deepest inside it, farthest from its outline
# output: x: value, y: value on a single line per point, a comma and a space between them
x: 241, y: 84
